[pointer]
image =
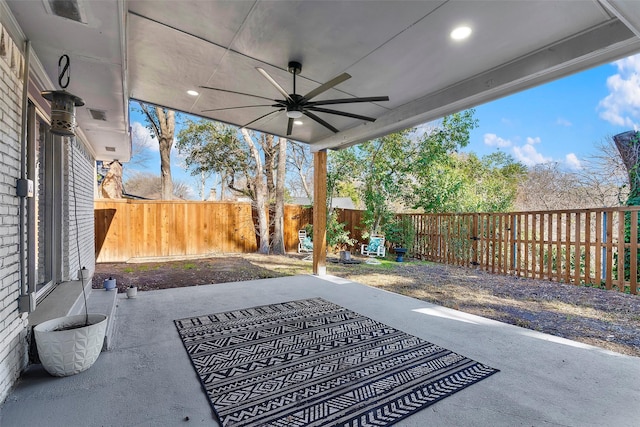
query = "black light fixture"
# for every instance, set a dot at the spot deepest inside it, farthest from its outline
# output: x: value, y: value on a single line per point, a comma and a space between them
x: 63, y: 111
x: 63, y: 103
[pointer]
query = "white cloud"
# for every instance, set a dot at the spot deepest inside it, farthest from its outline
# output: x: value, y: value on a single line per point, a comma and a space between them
x: 573, y: 162
x: 493, y: 140
x: 532, y: 141
x: 622, y: 106
x: 142, y: 134
x: 528, y: 155
x: 563, y: 122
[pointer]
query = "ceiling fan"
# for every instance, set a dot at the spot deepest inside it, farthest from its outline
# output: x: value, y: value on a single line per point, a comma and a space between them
x: 298, y: 105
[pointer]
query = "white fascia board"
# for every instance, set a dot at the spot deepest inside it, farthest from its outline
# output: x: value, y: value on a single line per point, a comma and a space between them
x: 123, y: 31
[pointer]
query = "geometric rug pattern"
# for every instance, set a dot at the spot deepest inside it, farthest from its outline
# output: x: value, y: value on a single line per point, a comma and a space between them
x: 314, y: 363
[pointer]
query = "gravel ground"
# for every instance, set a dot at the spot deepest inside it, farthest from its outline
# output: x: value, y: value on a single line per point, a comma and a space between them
x: 606, y: 319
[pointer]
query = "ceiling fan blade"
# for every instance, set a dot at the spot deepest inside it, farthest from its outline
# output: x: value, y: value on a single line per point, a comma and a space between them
x: 348, y: 100
x: 319, y: 120
x: 242, y: 106
x: 289, y: 126
x: 341, y: 113
x: 273, y: 82
x: 262, y: 117
x: 328, y: 85
x: 237, y: 93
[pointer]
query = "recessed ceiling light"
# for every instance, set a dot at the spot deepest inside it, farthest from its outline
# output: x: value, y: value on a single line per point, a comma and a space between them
x: 461, y: 33
x: 298, y: 122
x: 193, y: 93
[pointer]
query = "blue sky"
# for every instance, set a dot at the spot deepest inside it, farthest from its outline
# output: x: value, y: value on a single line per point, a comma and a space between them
x: 561, y: 121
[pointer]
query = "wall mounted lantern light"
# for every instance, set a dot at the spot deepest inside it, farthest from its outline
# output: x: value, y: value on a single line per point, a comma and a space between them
x: 63, y: 103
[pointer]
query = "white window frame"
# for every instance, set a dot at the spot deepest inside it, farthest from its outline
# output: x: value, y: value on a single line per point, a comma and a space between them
x: 44, y: 237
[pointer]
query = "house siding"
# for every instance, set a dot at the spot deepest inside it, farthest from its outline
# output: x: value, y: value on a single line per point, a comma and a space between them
x: 13, y: 325
x: 79, y: 176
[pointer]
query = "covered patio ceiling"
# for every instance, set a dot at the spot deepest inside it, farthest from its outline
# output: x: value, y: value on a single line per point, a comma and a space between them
x: 155, y: 51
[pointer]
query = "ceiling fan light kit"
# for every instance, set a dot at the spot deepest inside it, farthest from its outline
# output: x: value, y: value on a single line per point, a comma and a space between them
x: 296, y: 105
x: 294, y: 114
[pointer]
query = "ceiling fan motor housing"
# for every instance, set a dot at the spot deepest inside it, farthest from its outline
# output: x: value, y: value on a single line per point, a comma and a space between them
x: 295, y: 67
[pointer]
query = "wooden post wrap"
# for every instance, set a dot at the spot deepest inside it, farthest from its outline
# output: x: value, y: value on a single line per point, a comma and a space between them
x: 320, y: 213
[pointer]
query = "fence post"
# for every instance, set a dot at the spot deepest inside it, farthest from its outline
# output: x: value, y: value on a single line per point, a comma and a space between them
x: 474, y: 239
x: 514, y: 243
x: 604, y: 246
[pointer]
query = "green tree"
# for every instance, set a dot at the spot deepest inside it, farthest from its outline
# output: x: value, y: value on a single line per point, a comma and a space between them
x: 387, y: 166
x: 252, y: 164
x: 438, y: 181
x: 342, y: 168
x: 405, y: 169
x: 490, y: 183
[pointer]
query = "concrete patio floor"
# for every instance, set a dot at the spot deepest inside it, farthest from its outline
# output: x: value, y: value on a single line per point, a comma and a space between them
x: 147, y: 379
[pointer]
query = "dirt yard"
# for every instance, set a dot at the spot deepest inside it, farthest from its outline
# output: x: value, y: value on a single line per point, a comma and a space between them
x: 607, y: 319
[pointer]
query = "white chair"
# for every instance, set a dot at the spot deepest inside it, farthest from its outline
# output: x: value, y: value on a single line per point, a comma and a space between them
x: 304, y: 242
x: 375, y: 247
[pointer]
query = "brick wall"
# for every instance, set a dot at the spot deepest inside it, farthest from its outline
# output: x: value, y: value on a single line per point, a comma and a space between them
x: 13, y: 326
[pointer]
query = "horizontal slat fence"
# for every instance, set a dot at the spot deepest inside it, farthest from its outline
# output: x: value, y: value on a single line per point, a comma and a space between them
x: 590, y: 246
x: 598, y: 247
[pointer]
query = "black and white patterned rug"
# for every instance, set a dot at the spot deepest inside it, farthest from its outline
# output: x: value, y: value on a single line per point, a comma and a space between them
x: 315, y: 363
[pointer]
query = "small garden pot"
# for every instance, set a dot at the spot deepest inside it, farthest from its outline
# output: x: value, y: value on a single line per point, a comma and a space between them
x: 109, y: 284
x: 132, y: 292
x: 66, y: 346
x: 400, y: 252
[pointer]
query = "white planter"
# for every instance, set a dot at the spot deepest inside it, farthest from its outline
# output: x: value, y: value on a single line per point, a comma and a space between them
x: 69, y: 352
x: 132, y: 292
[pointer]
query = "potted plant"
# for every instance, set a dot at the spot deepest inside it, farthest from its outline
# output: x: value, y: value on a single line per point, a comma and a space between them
x: 337, y: 237
x: 400, y: 233
x: 70, y: 344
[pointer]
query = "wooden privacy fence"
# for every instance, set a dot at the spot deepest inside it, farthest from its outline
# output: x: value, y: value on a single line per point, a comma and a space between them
x: 129, y: 229
x: 591, y: 246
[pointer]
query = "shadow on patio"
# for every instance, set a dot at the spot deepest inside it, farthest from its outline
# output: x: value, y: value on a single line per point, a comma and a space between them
x: 148, y: 380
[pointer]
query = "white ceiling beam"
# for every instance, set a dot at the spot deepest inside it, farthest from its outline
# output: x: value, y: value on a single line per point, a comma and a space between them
x: 626, y: 11
x: 122, y: 33
x: 598, y: 45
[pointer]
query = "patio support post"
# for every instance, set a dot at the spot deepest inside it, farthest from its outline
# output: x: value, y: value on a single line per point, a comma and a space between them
x: 320, y: 213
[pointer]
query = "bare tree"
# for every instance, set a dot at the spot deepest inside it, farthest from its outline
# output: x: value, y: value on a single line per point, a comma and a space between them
x: 259, y: 190
x: 604, y: 174
x: 162, y: 123
x: 300, y: 160
x: 140, y: 146
x: 602, y: 181
x: 148, y: 185
x: 278, y: 245
x: 548, y: 187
